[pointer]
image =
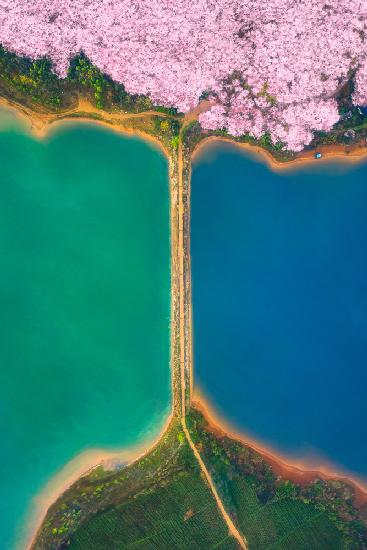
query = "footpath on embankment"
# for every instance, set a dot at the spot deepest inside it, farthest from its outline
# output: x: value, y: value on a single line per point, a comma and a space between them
x: 181, y: 319
x: 182, y: 262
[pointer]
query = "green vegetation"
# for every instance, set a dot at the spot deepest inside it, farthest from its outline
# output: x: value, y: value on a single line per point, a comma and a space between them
x: 193, y: 135
x: 168, y: 130
x: 34, y: 84
x: 162, y: 502
x: 31, y: 82
x: 352, y: 126
x: 274, y: 513
x: 350, y: 130
x: 177, y: 515
x: 88, y: 81
x: 159, y: 502
x: 264, y: 92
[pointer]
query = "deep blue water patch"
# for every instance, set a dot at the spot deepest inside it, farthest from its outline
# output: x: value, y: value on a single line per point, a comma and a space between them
x: 279, y: 266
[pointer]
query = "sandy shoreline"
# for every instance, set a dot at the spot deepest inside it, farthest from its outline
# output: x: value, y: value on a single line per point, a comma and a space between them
x: 78, y: 467
x: 40, y: 125
x: 298, y: 471
x: 341, y: 153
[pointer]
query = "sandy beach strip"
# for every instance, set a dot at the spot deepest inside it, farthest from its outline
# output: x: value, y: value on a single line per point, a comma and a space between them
x: 341, y: 153
x: 41, y: 125
x: 78, y: 467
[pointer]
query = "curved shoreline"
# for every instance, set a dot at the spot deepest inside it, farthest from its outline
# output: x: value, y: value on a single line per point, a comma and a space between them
x: 79, y: 466
x: 40, y: 125
x: 349, y: 154
x: 296, y: 470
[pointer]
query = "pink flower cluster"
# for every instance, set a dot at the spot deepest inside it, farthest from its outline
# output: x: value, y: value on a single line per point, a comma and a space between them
x: 271, y: 66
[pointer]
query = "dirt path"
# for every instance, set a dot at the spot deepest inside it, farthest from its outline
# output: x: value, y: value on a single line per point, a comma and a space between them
x: 40, y: 121
x: 183, y: 359
x: 181, y: 256
x: 231, y: 526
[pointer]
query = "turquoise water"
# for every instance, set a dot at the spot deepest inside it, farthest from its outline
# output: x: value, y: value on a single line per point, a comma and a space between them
x: 84, y: 303
x: 279, y: 266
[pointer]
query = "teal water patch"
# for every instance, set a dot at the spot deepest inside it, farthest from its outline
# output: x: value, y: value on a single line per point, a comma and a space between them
x: 279, y: 266
x: 84, y: 303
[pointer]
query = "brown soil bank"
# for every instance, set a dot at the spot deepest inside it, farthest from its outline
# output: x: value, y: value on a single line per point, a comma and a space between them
x: 299, y: 473
x: 346, y: 153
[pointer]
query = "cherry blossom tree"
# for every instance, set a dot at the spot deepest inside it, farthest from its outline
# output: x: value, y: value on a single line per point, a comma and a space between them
x: 271, y: 66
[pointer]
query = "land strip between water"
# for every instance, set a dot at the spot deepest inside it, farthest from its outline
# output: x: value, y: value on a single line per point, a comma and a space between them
x: 185, y: 328
x: 179, y: 157
x: 181, y: 322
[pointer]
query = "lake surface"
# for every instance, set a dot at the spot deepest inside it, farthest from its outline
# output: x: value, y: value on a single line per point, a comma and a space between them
x: 84, y: 303
x: 279, y: 263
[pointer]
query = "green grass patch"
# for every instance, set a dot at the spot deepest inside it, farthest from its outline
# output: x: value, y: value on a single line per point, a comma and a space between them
x: 275, y: 514
x: 179, y: 515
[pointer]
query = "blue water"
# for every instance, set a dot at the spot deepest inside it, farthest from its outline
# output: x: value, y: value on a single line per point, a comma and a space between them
x: 279, y: 264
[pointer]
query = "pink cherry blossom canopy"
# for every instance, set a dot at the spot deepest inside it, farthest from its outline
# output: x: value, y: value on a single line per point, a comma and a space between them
x: 270, y: 66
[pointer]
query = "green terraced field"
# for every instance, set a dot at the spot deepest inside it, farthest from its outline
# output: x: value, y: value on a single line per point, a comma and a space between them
x: 282, y: 524
x: 179, y: 515
x: 275, y: 514
x: 162, y: 502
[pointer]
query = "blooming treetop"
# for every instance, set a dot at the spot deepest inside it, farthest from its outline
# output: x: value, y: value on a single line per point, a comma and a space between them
x: 271, y: 66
